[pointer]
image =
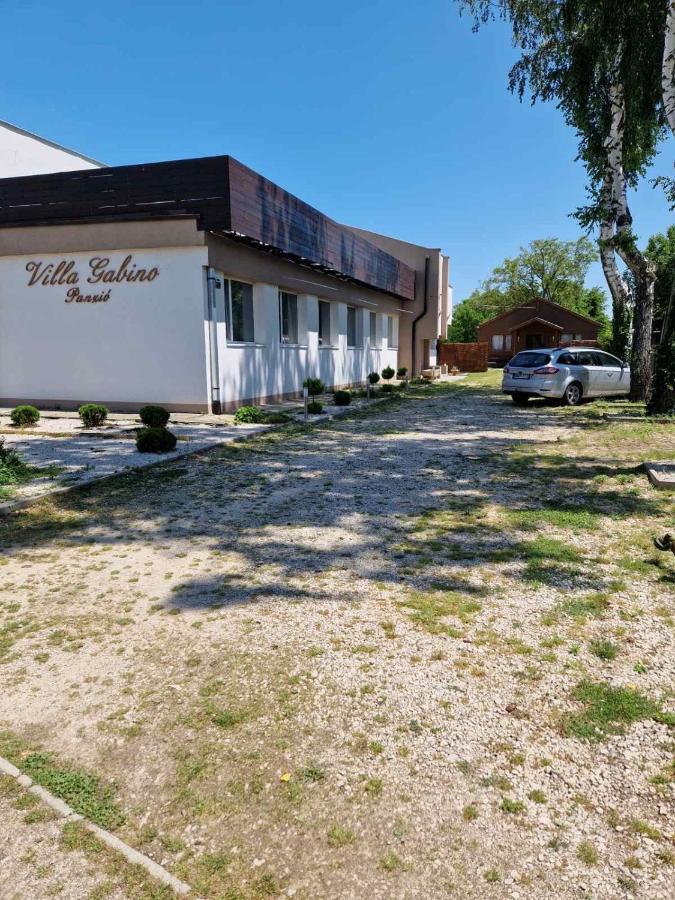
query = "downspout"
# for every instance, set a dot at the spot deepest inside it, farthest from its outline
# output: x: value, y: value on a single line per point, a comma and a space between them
x: 421, y: 316
x: 212, y: 282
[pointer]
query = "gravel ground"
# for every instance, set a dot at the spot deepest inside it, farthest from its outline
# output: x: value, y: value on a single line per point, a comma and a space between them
x: 345, y: 662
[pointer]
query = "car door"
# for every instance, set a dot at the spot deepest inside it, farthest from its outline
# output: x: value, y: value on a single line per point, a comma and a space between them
x: 611, y: 373
x: 589, y: 373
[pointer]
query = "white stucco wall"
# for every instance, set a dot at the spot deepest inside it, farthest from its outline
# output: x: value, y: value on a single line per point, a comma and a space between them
x: 144, y: 344
x: 269, y: 368
x: 22, y: 153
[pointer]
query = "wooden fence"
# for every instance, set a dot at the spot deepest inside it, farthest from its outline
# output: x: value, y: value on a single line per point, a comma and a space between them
x: 467, y: 357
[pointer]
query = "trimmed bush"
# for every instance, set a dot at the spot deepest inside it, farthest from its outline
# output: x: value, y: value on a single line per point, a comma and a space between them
x: 403, y: 386
x: 314, y: 407
x: 25, y: 415
x: 402, y: 372
x: 387, y: 389
x: 249, y: 415
x: 342, y: 398
x: 154, y: 416
x: 388, y: 373
x: 373, y: 377
x: 315, y: 386
x: 93, y: 414
x: 155, y: 440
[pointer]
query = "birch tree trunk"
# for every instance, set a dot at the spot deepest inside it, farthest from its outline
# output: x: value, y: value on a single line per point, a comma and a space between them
x: 620, y: 224
x: 668, y: 68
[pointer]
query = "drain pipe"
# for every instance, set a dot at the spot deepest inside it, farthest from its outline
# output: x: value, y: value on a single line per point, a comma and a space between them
x: 213, y: 282
x: 421, y: 316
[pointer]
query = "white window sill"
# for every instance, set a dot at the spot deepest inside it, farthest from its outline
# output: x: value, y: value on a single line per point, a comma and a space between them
x: 328, y: 347
x: 285, y: 346
x: 244, y: 344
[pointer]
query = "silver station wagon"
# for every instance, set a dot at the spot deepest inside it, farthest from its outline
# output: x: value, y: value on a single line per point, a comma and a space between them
x: 568, y: 374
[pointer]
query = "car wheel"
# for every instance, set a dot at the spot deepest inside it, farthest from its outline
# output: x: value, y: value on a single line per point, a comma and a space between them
x: 573, y: 394
x: 520, y: 399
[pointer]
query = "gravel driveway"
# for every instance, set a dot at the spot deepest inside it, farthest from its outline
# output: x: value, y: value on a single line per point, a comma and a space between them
x: 354, y: 661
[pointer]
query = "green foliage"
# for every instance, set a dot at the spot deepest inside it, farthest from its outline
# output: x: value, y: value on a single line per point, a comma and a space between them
x: 155, y: 440
x: 387, y: 389
x: 86, y: 793
x: 314, y: 407
x: 315, y: 386
x: 93, y: 414
x: 342, y: 398
x: 604, y: 649
x: 607, y: 710
x: 373, y: 377
x: 250, y: 415
x: 277, y: 418
x: 661, y: 250
x: 402, y: 371
x: 388, y: 373
x: 154, y: 416
x: 24, y: 415
x: 13, y: 470
x: 548, y: 268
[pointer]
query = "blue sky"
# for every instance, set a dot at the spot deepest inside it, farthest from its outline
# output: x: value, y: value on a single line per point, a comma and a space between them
x: 388, y: 115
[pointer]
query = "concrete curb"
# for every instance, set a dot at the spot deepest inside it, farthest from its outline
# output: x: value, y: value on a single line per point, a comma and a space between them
x: 65, y: 812
x: 11, y: 506
x: 661, y: 475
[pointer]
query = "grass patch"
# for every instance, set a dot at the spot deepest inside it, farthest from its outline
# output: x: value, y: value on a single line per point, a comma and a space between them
x: 579, y: 608
x: 587, y: 853
x: 511, y: 806
x: 607, y: 710
x: 604, y: 649
x: 339, y: 836
x: 559, y: 516
x: 429, y: 610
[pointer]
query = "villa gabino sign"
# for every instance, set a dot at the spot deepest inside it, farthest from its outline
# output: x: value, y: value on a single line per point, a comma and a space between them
x: 101, y: 274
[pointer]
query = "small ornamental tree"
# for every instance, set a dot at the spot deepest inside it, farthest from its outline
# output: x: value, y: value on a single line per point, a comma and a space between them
x: 315, y: 386
x: 402, y: 372
x: 388, y: 373
x: 373, y: 377
x: 25, y: 415
x: 93, y: 415
x: 154, y: 416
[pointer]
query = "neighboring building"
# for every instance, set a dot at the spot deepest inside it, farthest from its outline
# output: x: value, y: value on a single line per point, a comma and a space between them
x: 23, y: 153
x: 200, y: 285
x: 539, y: 323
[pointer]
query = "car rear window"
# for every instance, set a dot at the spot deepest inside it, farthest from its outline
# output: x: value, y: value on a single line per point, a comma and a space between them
x: 530, y: 360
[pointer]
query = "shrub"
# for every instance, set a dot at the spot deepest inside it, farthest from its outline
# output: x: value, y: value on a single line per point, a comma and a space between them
x: 387, y: 389
x: 403, y: 386
x: 93, y: 414
x: 342, y: 398
x: 13, y: 470
x: 315, y: 407
x: 402, y: 372
x: 373, y: 377
x: 155, y: 440
x: 154, y: 416
x: 277, y: 418
x: 315, y: 386
x: 388, y: 373
x: 249, y: 415
x: 25, y: 415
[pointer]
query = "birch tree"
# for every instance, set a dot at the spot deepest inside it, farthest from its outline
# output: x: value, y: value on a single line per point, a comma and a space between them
x: 602, y: 63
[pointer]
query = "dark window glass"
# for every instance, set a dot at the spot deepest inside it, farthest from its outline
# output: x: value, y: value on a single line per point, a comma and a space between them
x: 324, y: 322
x: 241, y: 312
x: 604, y: 359
x: 373, y: 329
x: 288, y: 315
x: 351, y: 326
x: 586, y: 358
x: 530, y: 360
x: 567, y: 359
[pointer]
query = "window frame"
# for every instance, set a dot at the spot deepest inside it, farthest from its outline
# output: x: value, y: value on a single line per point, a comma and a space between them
x: 328, y: 342
x: 498, y: 348
x: 229, y: 318
x: 372, y: 341
x: 354, y: 311
x: 288, y: 342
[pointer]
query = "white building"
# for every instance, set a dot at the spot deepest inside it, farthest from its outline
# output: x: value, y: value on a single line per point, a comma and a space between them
x: 23, y: 153
x: 199, y: 285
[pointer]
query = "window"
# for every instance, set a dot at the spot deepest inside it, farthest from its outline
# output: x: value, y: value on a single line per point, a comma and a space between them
x: 507, y: 342
x: 566, y: 338
x: 527, y: 360
x: 351, y: 326
x: 567, y: 359
x: 373, y: 330
x: 587, y: 359
x: 240, y: 312
x: 610, y: 361
x: 497, y: 341
x: 324, y: 323
x: 288, y: 317
x: 390, y: 332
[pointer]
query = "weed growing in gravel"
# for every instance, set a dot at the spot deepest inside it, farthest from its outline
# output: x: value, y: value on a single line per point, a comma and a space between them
x: 607, y: 710
x: 390, y: 862
x: 339, y: 836
x: 542, y: 552
x: 428, y: 610
x: 511, y: 806
x: 579, y: 608
x: 587, y: 853
x: 644, y: 828
x: 604, y: 649
x: 470, y: 812
x: 559, y: 516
